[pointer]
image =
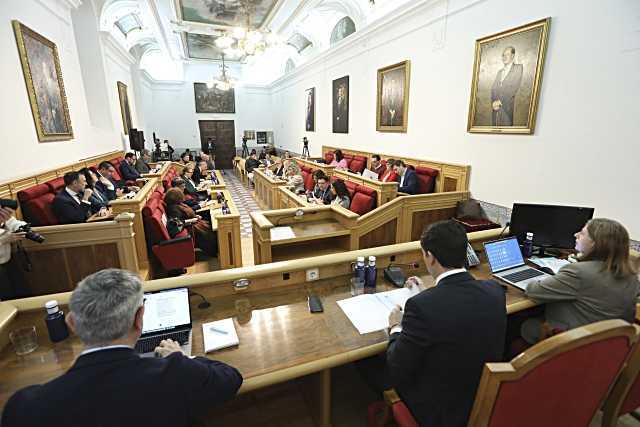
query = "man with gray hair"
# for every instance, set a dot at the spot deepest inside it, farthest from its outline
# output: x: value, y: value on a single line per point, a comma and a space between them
x: 142, y: 163
x: 110, y: 384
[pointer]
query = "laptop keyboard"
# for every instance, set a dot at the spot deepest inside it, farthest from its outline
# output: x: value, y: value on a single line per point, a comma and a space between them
x: 519, y: 276
x: 147, y: 345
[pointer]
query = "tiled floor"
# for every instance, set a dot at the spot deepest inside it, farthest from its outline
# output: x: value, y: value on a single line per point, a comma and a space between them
x: 243, y: 200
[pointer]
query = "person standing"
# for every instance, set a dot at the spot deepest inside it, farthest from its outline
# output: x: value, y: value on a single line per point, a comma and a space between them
x: 9, y: 226
x: 504, y: 89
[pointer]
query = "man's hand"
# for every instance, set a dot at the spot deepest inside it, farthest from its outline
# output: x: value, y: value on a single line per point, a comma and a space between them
x: 103, y: 212
x: 167, y: 347
x: 497, y: 104
x: 87, y: 194
x: 119, y: 192
x: 104, y: 180
x: 6, y: 214
x: 413, y: 282
x: 16, y: 237
x: 395, y: 317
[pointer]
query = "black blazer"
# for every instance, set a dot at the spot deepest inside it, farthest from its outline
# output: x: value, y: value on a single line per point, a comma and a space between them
x: 110, y: 194
x: 278, y: 172
x: 410, y: 184
x: 448, y: 333
x: 119, y: 388
x: 98, y: 200
x: 128, y: 172
x: 68, y: 210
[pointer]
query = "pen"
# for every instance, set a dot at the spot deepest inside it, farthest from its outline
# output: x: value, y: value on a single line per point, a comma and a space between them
x: 220, y: 331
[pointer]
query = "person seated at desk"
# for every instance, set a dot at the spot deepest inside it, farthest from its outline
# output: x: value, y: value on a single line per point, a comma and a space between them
x: 191, y: 188
x: 72, y: 204
x: 278, y: 170
x: 251, y: 163
x: 438, y: 346
x: 322, y: 192
x: 185, y: 158
x: 295, y: 182
x: 200, y: 172
x: 602, y: 285
x: 206, y: 238
x: 109, y: 383
x: 263, y: 154
x: 408, y: 182
x: 390, y: 174
x: 205, y: 156
x: 142, y: 163
x: 340, y: 194
x: 376, y: 165
x: 98, y: 199
x: 127, y: 168
x: 108, y: 185
x: 339, y: 161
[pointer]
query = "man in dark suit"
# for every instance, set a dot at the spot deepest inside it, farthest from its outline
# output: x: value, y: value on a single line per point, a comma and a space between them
x: 128, y: 168
x: 408, y: 180
x: 110, y: 384
x: 341, y: 106
x: 504, y: 89
x: 72, y: 204
x: 142, y: 163
x: 439, y: 345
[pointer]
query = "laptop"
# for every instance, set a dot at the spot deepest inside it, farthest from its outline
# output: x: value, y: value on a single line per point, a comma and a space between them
x: 507, y: 264
x: 166, y: 315
x: 369, y: 174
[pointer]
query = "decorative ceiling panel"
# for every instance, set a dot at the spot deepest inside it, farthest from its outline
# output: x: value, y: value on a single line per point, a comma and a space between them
x: 299, y: 42
x: 202, y: 46
x: 226, y: 12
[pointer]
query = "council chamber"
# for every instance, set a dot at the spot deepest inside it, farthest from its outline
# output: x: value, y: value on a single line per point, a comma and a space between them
x: 320, y: 213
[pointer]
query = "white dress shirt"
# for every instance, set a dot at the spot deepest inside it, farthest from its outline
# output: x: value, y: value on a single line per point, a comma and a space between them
x: 76, y: 196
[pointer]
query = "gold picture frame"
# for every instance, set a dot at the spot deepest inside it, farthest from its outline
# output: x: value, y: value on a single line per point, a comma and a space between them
x: 392, y: 106
x: 45, y: 87
x: 125, y: 109
x: 507, y: 73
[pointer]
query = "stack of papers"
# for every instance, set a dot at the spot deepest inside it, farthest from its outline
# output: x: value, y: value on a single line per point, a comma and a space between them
x: 370, y: 312
x: 555, y: 264
x: 219, y: 334
x: 282, y: 233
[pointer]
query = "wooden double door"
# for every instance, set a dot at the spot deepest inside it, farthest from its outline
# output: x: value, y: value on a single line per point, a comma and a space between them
x: 222, y: 134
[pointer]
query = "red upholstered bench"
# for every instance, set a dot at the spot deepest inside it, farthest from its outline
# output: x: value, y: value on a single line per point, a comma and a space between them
x: 363, y: 200
x: 426, y: 179
x: 36, y: 205
x: 358, y: 164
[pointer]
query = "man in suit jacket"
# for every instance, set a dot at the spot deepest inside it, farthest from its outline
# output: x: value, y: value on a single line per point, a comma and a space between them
x: 72, y: 204
x: 142, y: 163
x: 110, y: 384
x: 408, y: 179
x: 439, y: 345
x: 128, y: 168
x: 503, y: 91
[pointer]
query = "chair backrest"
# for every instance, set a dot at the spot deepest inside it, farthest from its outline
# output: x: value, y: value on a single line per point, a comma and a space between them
x: 154, y: 221
x: 625, y: 394
x: 358, y: 164
x: 308, y: 181
x: 351, y: 188
x: 560, y: 381
x: 426, y: 179
x: 55, y: 185
x: 363, y: 201
x: 36, y: 205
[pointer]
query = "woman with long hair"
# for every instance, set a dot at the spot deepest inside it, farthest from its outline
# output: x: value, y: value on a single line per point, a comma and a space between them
x: 294, y: 178
x: 339, y: 161
x: 206, y: 238
x: 602, y: 285
x: 341, y: 194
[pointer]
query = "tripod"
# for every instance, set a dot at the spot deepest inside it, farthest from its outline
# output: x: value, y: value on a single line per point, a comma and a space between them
x: 305, y: 148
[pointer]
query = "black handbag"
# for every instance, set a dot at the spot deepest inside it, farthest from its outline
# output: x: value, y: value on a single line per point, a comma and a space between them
x: 174, y: 226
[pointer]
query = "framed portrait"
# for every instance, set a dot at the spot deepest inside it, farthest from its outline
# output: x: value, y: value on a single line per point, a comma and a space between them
x: 250, y: 134
x: 42, y: 75
x: 310, y: 115
x: 214, y: 100
x: 393, y: 97
x: 507, y: 73
x: 261, y: 137
x: 341, y: 105
x: 125, y: 111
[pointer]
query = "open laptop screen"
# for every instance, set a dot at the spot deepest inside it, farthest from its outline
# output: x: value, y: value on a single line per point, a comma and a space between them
x: 503, y: 254
x: 166, y: 310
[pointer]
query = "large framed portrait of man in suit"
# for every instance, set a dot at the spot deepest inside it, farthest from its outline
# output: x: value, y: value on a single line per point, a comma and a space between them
x: 125, y: 110
x: 393, y: 98
x: 341, y: 105
x: 507, y: 74
x: 310, y: 111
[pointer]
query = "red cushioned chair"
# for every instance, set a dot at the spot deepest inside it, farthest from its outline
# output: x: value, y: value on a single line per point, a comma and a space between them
x: 560, y: 381
x: 308, y: 182
x: 358, y: 164
x: 55, y: 185
x: 426, y: 179
x: 351, y: 188
x: 364, y: 200
x: 625, y: 394
x: 173, y: 254
x: 349, y: 159
x: 328, y: 157
x: 36, y: 205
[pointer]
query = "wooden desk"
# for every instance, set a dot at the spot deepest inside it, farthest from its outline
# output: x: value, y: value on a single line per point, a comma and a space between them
x: 95, y: 217
x: 279, y: 339
x: 266, y: 189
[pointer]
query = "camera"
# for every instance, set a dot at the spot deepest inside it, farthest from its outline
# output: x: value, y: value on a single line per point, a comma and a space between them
x: 9, y: 203
x: 30, y: 234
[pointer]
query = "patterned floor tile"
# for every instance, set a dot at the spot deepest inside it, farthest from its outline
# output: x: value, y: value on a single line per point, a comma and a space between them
x: 243, y: 200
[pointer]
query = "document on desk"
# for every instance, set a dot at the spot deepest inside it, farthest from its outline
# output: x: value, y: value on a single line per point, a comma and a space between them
x: 555, y: 264
x: 282, y: 233
x: 370, y: 312
x: 219, y: 334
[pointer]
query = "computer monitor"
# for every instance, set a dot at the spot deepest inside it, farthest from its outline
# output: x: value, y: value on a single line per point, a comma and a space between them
x: 552, y: 226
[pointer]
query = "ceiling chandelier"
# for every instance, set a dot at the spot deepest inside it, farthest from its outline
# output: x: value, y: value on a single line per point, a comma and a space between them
x: 244, y: 42
x: 222, y: 82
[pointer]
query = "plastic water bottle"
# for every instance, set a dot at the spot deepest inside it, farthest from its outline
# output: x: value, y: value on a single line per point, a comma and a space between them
x: 359, y: 272
x: 371, y: 275
x: 527, y: 247
x: 55, y: 322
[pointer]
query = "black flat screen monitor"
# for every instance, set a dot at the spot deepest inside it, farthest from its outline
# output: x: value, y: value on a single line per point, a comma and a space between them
x: 552, y: 226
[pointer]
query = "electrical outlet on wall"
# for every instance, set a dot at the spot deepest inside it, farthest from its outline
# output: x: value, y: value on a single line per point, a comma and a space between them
x: 313, y: 274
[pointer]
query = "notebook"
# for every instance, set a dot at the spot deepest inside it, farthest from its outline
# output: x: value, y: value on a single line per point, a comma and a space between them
x: 219, y: 334
x: 370, y: 312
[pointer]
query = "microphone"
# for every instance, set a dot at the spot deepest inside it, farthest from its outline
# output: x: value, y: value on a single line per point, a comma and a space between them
x: 412, y: 265
x: 503, y: 229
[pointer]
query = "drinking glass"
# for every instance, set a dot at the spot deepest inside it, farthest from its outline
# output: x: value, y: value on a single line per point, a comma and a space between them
x: 357, y: 286
x: 24, y: 340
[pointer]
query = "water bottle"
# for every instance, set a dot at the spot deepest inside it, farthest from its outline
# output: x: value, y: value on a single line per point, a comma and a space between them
x: 527, y: 247
x: 55, y: 322
x: 371, y: 275
x: 358, y: 271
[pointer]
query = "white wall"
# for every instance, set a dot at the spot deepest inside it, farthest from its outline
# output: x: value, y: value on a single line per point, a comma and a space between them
x: 585, y: 148
x: 172, y: 113
x: 52, y: 19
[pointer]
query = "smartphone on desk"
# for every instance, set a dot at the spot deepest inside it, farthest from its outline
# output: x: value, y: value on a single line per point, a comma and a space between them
x: 315, y: 304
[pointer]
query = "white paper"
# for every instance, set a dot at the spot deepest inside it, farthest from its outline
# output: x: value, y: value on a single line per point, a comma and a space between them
x: 214, y: 336
x: 555, y: 264
x: 370, y: 312
x: 282, y: 233
x: 369, y: 174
